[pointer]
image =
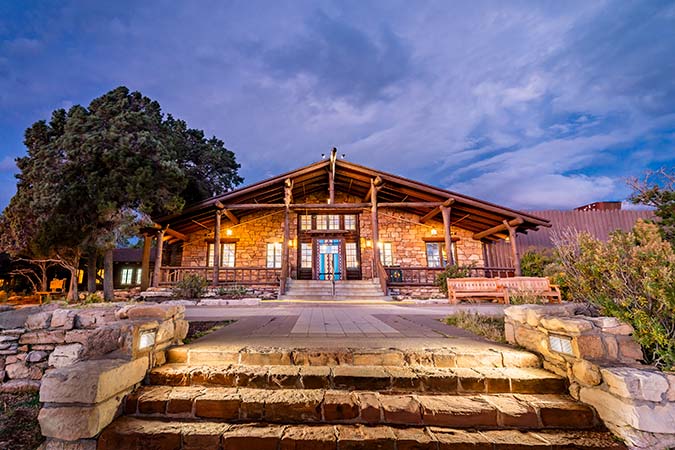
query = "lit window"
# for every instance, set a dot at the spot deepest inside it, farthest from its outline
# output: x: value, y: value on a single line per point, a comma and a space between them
x: 321, y: 222
x: 434, y: 254
x: 350, y: 222
x: 139, y: 274
x: 127, y: 276
x: 333, y: 222
x: 305, y: 222
x: 274, y: 255
x: 352, y: 260
x: 306, y: 255
x: 386, y: 254
x: 227, y: 253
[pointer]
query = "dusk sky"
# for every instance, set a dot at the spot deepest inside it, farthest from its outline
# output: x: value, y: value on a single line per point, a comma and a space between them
x: 533, y: 105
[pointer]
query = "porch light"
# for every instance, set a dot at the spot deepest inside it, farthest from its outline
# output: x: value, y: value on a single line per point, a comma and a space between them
x: 369, y: 243
x: 228, y: 232
x: 434, y: 232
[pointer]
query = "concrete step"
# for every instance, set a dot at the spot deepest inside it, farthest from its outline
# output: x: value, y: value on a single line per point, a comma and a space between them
x: 336, y: 298
x: 358, y: 378
x: 128, y: 433
x: 491, y: 411
x: 469, y: 357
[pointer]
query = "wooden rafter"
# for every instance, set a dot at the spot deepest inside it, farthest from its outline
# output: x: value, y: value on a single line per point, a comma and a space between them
x: 431, y: 214
x: 504, y: 226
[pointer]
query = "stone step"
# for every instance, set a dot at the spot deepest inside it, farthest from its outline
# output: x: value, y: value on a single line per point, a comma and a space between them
x: 357, y: 378
x: 486, y: 411
x: 497, y: 356
x: 128, y: 433
x: 336, y: 298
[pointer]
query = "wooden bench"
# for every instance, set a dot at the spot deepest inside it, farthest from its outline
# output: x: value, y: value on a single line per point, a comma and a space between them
x: 476, y: 288
x: 531, y: 286
x: 55, y: 287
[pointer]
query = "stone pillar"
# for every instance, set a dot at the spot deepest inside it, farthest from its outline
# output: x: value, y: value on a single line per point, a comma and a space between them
x: 145, y: 262
x: 158, y: 258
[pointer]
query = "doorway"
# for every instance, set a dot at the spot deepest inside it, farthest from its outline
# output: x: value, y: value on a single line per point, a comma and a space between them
x: 329, y: 259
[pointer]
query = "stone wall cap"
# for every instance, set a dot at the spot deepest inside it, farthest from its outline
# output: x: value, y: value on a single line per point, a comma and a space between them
x: 573, y: 325
x: 633, y: 383
x: 154, y: 310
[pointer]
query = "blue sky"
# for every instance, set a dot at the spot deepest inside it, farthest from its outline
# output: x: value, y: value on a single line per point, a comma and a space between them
x: 528, y: 104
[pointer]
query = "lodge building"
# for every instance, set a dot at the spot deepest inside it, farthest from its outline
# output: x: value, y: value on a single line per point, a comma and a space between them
x: 332, y: 220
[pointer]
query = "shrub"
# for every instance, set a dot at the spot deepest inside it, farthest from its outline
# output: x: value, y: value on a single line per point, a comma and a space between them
x: 545, y: 263
x: 451, y: 271
x: 491, y: 328
x: 191, y: 286
x: 630, y: 277
x: 232, y: 291
x: 90, y: 298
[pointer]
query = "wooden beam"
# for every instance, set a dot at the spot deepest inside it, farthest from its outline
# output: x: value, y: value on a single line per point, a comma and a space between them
x: 284, y: 254
x: 216, y: 249
x: 431, y: 214
x: 145, y: 262
x: 515, y: 254
x: 445, y: 211
x: 367, y: 196
x: 328, y: 206
x: 504, y: 226
x: 158, y: 258
x: 176, y: 234
x: 409, y: 204
x: 218, y: 204
x: 254, y: 205
x: 331, y: 187
x: 230, y: 215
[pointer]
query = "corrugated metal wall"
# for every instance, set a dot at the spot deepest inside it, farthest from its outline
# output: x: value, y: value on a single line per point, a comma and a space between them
x: 597, y: 223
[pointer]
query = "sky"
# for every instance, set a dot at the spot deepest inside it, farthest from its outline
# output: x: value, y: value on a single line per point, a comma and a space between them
x: 532, y: 105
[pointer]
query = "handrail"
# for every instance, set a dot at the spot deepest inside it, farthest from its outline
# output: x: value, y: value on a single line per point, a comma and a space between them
x: 246, y: 275
x: 382, y: 275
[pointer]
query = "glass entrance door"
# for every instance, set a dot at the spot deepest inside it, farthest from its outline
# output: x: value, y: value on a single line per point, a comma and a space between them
x: 329, y: 259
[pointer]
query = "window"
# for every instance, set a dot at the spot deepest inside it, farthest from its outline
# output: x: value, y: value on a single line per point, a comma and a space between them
x: 306, y: 255
x: 227, y: 252
x: 321, y: 222
x: 350, y: 222
x: 274, y: 255
x: 386, y: 254
x: 436, y: 256
x: 333, y: 222
x: 127, y: 276
x: 139, y: 272
x: 305, y: 222
x: 351, y: 259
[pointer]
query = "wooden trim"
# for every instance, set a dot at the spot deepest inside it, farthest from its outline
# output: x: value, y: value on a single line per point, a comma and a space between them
x: 176, y: 234
x: 224, y: 240
x: 439, y: 239
x: 324, y: 206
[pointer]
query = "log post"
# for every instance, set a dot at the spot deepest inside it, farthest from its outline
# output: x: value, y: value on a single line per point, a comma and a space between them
x: 284, y: 253
x: 375, y: 226
x: 445, y: 212
x: 515, y: 254
x: 108, y: 276
x: 216, y: 249
x: 145, y: 262
x: 331, y: 188
x: 159, y: 250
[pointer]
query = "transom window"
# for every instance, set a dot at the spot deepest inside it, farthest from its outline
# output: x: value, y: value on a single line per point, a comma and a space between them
x: 274, y: 255
x: 386, y: 254
x: 227, y: 254
x: 327, y: 222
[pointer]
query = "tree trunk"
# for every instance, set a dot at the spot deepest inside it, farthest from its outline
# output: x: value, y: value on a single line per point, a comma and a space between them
x: 43, y: 276
x: 72, y: 292
x: 91, y: 272
x: 108, y: 294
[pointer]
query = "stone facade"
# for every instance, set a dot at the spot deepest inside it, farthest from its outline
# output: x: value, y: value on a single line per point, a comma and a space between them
x: 602, y: 364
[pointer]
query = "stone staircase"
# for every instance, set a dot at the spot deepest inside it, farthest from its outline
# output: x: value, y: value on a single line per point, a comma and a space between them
x: 318, y: 290
x: 336, y: 399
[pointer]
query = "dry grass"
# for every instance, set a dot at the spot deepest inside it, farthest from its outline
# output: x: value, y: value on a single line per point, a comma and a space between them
x: 491, y: 328
x: 19, y: 428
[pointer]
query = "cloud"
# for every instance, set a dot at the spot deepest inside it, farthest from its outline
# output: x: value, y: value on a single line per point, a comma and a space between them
x: 7, y: 164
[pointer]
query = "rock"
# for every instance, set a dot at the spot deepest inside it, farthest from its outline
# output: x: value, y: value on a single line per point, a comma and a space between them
x: 39, y: 321
x: 5, y: 338
x: 96, y: 342
x: 36, y: 356
x: 16, y: 318
x: 44, y: 337
x: 122, y: 313
x: 587, y: 373
x: 63, y: 318
x: 590, y: 347
x: 66, y: 422
x: 95, y: 317
x: 182, y: 327
x: 637, y: 384
x: 65, y: 355
x: 16, y: 386
x: 671, y: 389
x: 629, y: 349
x: 153, y: 311
x: 566, y: 325
x: 165, y: 332
x: 17, y: 370
x: 80, y: 444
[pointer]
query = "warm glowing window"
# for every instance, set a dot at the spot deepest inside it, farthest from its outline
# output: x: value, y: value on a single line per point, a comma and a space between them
x: 350, y: 222
x: 139, y: 272
x: 386, y: 254
x: 305, y: 222
x: 227, y: 252
x: 274, y: 255
x: 333, y: 222
x: 352, y: 260
x: 127, y: 276
x: 306, y: 255
x: 321, y: 222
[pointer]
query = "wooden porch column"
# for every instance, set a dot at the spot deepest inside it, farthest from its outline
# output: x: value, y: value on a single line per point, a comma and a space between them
x: 515, y: 253
x: 445, y: 211
x: 216, y: 249
x: 288, y: 199
x: 158, y: 258
x: 145, y: 262
x: 331, y: 188
x: 375, y: 226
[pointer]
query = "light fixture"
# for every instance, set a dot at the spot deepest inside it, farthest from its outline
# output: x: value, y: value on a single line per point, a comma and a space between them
x: 369, y: 243
x: 228, y: 232
x: 146, y: 340
x: 434, y: 232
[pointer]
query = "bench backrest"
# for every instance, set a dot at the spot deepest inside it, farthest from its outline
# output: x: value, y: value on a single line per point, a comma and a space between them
x: 526, y: 283
x: 473, y: 284
x: 55, y: 285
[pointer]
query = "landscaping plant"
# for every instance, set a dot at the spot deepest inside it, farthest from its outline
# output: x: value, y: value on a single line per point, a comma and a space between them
x: 451, y: 271
x: 630, y: 277
x: 191, y: 286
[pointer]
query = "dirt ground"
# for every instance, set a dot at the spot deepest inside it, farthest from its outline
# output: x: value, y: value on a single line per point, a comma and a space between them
x: 19, y: 428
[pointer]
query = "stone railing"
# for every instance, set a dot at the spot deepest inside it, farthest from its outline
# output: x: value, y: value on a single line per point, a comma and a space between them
x: 602, y: 363
x: 84, y: 361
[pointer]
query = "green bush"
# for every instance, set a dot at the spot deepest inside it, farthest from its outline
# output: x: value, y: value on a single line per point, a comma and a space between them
x: 545, y: 263
x: 451, y: 271
x: 630, y: 277
x: 191, y: 286
x: 90, y: 298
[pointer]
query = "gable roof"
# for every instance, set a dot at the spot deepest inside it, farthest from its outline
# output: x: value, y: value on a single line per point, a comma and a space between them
x: 466, y: 212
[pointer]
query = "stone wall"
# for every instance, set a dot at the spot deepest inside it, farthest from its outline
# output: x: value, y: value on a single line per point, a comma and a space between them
x: 602, y: 364
x: 84, y: 360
